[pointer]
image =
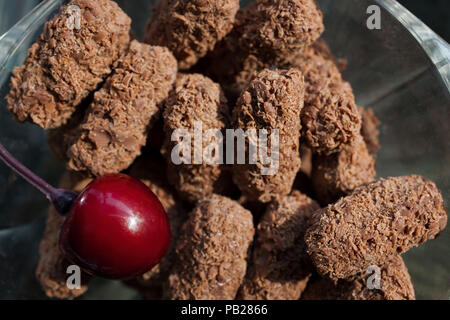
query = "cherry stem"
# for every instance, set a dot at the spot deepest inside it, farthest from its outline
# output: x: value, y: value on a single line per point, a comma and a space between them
x: 61, y: 199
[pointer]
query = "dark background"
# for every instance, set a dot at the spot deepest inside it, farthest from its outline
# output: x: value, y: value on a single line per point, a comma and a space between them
x: 435, y: 14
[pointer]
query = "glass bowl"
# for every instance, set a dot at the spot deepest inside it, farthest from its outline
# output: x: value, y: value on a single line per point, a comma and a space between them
x: 402, y: 71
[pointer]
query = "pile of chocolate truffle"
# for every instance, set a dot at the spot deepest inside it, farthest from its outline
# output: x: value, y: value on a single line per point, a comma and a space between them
x: 310, y: 230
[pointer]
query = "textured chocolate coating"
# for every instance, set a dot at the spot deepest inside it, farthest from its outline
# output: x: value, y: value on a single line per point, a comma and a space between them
x: 394, y: 279
x: 280, y: 267
x: 246, y: 70
x: 116, y: 124
x: 51, y: 270
x: 190, y: 28
x: 373, y: 223
x: 275, y: 30
x: 338, y: 174
x: 330, y: 118
x: 195, y: 98
x: 369, y: 129
x: 151, y: 171
x: 211, y: 251
x: 320, y: 48
x: 251, y: 64
x: 267, y: 33
x: 66, y: 64
x: 273, y: 100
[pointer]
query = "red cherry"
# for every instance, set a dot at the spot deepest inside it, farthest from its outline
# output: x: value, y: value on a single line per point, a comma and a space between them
x: 116, y: 228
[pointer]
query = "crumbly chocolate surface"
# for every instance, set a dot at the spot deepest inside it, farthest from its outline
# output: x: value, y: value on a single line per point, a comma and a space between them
x: 336, y: 175
x: 373, y: 223
x: 267, y: 33
x: 280, y: 266
x: 394, y: 279
x: 195, y: 98
x: 151, y: 172
x: 211, y: 251
x: 237, y: 78
x: 51, y: 270
x: 190, y: 28
x: 320, y: 48
x: 275, y: 30
x: 273, y: 100
x: 330, y: 117
x: 66, y: 64
x: 116, y: 123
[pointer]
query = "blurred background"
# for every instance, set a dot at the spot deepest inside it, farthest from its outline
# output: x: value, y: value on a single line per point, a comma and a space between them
x: 435, y: 14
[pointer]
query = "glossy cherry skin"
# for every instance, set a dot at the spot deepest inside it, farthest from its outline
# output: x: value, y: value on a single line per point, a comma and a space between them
x: 116, y: 228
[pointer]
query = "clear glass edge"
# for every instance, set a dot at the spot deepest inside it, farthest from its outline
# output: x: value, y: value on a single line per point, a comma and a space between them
x: 436, y: 48
x: 11, y: 40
